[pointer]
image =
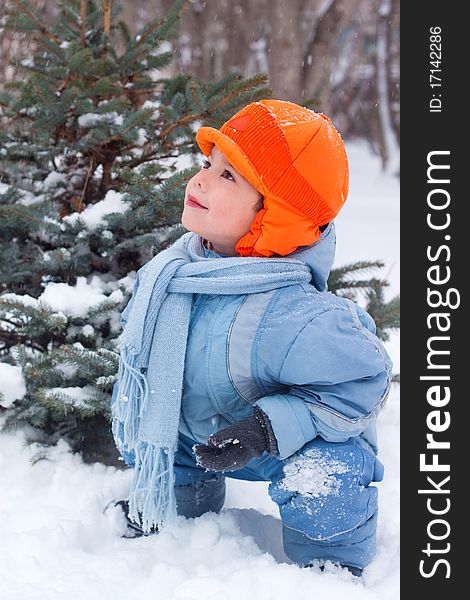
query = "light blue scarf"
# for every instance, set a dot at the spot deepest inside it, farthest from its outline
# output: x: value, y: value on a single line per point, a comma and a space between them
x: 146, y: 410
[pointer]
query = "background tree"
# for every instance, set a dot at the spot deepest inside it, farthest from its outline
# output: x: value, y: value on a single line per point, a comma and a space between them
x: 333, y: 55
x: 97, y: 143
x: 93, y: 144
x: 341, y: 56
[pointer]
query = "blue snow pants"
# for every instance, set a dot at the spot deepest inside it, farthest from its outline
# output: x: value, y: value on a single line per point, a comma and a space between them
x: 327, y: 507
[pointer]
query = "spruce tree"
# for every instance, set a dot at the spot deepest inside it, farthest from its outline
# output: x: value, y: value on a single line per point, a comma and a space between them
x: 370, y: 293
x: 96, y: 147
x: 345, y: 281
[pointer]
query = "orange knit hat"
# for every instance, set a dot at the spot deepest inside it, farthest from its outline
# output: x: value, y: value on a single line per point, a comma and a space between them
x: 296, y: 159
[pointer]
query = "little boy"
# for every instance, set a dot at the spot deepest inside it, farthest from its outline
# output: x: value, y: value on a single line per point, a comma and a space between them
x: 236, y: 361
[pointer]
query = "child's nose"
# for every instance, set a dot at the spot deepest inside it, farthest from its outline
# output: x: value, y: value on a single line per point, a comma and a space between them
x: 200, y: 179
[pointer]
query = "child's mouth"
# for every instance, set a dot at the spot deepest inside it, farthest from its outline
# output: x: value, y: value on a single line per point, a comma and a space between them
x: 194, y: 202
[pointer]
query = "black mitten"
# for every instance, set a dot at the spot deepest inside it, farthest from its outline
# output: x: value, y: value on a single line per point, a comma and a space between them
x: 234, y: 446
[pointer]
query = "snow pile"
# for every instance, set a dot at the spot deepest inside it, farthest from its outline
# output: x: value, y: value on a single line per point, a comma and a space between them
x: 54, y: 179
x: 94, y: 215
x: 89, y: 120
x: 13, y: 386
x: 74, y: 396
x: 56, y: 542
x: 78, y: 299
x: 72, y: 300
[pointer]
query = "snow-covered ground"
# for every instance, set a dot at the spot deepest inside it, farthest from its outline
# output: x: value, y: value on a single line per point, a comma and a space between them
x: 55, y: 542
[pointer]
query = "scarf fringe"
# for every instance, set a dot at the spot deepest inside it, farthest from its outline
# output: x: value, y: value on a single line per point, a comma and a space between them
x: 131, y: 400
x: 152, y: 502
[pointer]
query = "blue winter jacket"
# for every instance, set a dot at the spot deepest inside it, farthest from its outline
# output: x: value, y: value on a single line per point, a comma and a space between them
x: 308, y: 358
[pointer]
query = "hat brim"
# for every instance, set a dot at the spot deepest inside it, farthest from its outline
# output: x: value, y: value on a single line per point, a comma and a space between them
x: 208, y: 137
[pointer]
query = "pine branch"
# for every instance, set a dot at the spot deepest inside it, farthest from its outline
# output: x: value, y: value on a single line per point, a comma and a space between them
x: 19, y: 212
x: 52, y: 46
x: 364, y: 284
x: 136, y: 119
x: 168, y: 21
x: 241, y: 87
x: 139, y: 45
x: 151, y: 156
x: 179, y: 123
x: 196, y: 96
x: 12, y: 339
x: 27, y: 9
x: 226, y: 82
x: 364, y: 265
x: 125, y: 32
x: 83, y: 4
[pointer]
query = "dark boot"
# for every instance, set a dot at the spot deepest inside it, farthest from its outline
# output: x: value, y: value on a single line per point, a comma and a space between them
x: 133, y: 529
x: 356, y: 571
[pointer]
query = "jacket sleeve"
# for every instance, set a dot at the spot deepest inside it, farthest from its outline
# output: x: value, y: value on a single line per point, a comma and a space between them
x: 337, y: 375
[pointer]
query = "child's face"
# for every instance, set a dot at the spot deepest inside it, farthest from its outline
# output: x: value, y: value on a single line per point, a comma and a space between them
x: 220, y: 204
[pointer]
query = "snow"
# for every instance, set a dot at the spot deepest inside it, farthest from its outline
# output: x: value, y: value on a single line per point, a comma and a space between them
x: 24, y: 299
x: 128, y: 281
x: 89, y: 120
x: 88, y: 330
x: 142, y: 136
x: 75, y: 300
x: 151, y: 104
x: 26, y: 198
x: 312, y: 474
x: 72, y: 300
x: 77, y: 396
x: 67, y: 370
x: 56, y: 543
x: 94, y: 215
x: 367, y: 227
x: 53, y: 180
x: 13, y: 386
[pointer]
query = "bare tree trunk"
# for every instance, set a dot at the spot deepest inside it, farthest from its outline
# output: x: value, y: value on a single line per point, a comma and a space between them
x: 12, y: 46
x: 285, y: 57
x: 5, y: 48
x: 320, y: 54
x: 394, y: 70
x: 390, y: 151
x: 340, y: 56
x: 219, y: 36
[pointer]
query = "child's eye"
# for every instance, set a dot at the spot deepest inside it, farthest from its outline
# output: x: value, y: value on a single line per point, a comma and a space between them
x: 227, y: 175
